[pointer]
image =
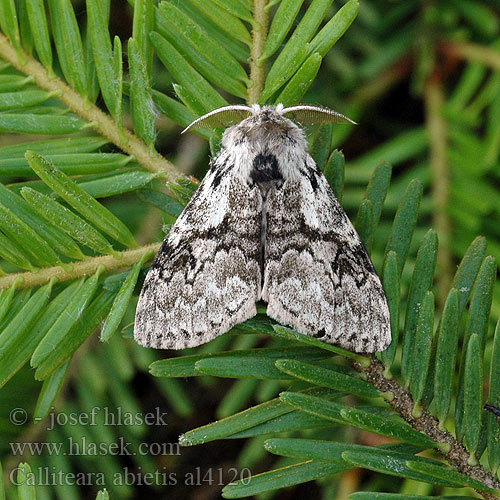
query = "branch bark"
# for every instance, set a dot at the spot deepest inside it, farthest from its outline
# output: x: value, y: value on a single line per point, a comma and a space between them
x: 403, y: 404
x: 259, y: 35
x: 440, y: 169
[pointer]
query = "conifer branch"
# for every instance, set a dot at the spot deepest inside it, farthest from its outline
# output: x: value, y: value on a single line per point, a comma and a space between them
x: 78, y: 269
x: 437, y: 132
x: 402, y: 402
x: 102, y: 122
x: 259, y: 35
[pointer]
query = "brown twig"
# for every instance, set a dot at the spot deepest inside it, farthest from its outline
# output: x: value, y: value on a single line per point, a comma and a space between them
x: 403, y: 404
x: 259, y: 35
x: 440, y: 169
x: 75, y: 270
x: 474, y: 53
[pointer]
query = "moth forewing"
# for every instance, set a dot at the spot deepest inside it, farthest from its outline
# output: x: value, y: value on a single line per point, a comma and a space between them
x: 263, y: 224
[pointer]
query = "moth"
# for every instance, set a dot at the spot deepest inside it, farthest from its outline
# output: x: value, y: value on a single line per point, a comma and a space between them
x: 264, y: 224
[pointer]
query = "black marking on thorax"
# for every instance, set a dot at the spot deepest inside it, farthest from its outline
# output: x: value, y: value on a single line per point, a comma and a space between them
x: 265, y: 168
x: 266, y: 174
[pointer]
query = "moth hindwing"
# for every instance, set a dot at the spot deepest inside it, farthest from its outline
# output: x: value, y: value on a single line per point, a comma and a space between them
x: 264, y: 224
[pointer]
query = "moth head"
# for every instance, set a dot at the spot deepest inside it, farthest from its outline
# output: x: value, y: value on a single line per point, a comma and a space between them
x: 231, y: 115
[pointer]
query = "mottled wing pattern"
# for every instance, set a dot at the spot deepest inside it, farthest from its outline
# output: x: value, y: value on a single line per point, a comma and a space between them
x: 318, y: 278
x: 206, y: 276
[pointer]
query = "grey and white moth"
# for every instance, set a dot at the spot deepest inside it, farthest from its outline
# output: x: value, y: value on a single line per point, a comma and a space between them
x: 264, y: 224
